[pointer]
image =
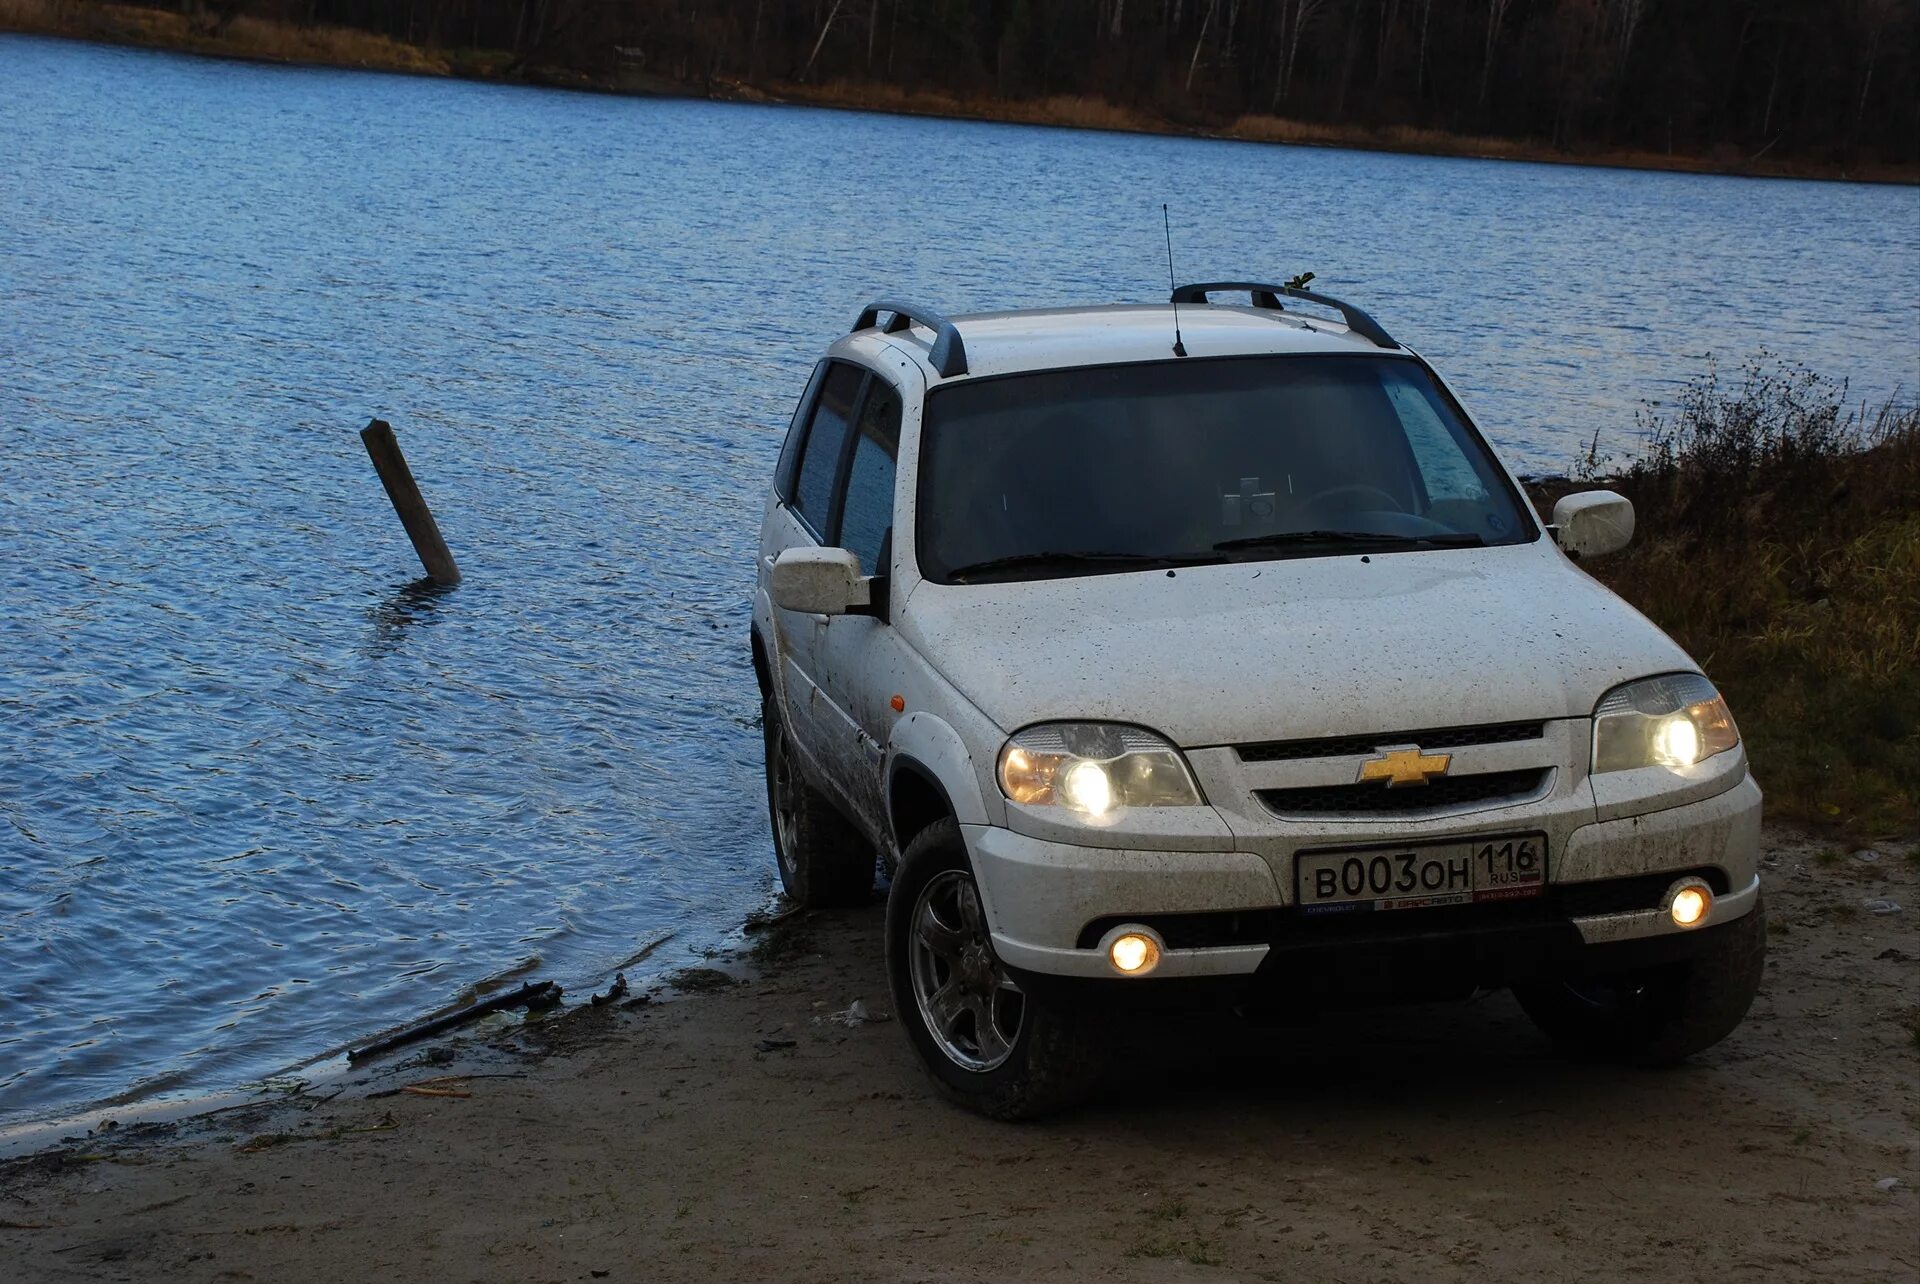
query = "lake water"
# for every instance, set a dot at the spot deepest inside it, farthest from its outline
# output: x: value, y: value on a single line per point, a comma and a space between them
x: 261, y: 796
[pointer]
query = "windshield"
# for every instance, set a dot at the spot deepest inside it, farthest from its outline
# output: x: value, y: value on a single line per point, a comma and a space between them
x: 1180, y: 463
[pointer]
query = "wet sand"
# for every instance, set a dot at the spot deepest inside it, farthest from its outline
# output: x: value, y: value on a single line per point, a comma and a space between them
x: 737, y: 1131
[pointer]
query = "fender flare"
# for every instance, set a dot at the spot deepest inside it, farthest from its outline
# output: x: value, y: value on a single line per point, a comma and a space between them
x: 927, y: 747
x: 769, y: 661
x: 762, y: 661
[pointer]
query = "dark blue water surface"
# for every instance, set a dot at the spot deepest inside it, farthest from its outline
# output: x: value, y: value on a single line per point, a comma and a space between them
x: 261, y: 795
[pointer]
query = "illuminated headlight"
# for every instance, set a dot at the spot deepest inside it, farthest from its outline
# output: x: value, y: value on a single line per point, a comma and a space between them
x: 1094, y: 768
x: 1672, y: 721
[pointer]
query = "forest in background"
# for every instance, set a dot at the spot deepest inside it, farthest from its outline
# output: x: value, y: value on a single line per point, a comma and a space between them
x: 1829, y: 77
x: 1733, y: 83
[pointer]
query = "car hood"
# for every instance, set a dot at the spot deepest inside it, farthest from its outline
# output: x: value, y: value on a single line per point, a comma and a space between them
x: 1294, y: 648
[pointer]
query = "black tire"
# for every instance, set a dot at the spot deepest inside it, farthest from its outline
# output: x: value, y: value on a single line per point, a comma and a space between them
x: 1659, y: 1015
x: 1043, y: 1061
x: 823, y: 859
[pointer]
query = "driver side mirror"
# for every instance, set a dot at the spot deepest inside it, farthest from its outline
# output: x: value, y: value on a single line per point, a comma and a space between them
x: 820, y: 581
x: 1593, y: 523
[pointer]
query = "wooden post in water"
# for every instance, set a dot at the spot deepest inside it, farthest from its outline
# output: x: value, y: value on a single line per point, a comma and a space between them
x: 405, y: 494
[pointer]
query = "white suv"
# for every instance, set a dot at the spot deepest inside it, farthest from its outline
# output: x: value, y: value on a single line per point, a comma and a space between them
x: 1196, y: 653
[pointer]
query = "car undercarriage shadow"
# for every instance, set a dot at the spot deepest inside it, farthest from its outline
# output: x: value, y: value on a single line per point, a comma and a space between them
x: 1476, y: 1056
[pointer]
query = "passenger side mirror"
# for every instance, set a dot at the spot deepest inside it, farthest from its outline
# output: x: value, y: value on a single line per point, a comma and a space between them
x: 1593, y: 523
x: 820, y: 581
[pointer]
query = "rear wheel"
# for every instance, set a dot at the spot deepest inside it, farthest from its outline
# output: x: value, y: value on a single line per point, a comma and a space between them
x: 990, y: 1046
x: 823, y: 860
x: 1656, y: 1016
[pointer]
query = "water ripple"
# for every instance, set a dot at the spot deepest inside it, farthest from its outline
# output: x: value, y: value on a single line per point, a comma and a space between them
x: 263, y: 791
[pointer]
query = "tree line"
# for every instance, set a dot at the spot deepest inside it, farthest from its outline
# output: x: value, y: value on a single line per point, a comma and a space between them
x: 1732, y: 79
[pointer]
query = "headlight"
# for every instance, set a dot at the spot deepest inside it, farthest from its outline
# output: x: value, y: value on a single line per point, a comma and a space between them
x: 1672, y: 721
x: 1094, y: 768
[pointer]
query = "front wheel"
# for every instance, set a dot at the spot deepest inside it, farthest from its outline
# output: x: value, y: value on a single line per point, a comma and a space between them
x: 991, y: 1047
x: 1660, y: 1015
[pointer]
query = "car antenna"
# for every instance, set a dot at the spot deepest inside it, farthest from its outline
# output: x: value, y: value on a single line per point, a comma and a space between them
x: 1166, y: 220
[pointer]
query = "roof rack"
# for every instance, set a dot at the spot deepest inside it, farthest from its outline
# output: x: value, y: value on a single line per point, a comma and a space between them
x: 1268, y: 296
x: 949, y: 354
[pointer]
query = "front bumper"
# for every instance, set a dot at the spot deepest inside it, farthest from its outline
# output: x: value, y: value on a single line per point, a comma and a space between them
x: 1226, y: 913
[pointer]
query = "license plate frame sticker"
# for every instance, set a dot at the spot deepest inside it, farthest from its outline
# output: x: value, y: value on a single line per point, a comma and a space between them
x: 1464, y: 871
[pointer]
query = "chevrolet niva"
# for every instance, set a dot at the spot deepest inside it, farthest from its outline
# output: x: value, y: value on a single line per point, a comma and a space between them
x: 1169, y: 655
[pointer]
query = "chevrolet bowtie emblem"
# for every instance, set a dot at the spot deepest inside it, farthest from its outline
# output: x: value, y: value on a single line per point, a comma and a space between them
x: 1409, y: 766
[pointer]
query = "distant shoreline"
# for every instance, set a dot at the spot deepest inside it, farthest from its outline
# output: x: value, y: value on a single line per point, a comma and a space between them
x: 260, y: 40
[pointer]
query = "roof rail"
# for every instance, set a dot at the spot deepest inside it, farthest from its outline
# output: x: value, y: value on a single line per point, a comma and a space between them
x: 949, y: 354
x: 1268, y: 296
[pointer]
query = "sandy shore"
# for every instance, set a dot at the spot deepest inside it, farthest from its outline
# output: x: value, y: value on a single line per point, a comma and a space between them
x: 737, y: 1131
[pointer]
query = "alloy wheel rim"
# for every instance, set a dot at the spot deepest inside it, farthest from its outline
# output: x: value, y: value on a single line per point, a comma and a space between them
x: 786, y: 821
x: 970, y: 1006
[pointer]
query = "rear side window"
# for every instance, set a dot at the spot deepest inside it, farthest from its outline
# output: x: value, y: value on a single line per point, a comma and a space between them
x: 826, y: 437
x: 867, y: 514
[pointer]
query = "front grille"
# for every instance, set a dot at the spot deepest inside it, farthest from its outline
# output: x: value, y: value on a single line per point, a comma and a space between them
x: 1374, y: 798
x: 1343, y: 746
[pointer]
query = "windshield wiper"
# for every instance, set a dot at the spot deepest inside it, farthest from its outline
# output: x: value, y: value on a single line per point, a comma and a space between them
x: 1288, y: 539
x: 1066, y: 560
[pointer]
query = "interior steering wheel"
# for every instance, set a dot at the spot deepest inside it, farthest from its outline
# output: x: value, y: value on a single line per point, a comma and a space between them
x: 1356, y: 488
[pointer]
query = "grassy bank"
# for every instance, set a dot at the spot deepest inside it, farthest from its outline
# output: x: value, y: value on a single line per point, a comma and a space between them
x: 1076, y: 112
x: 243, y: 37
x: 268, y: 40
x: 1779, y: 542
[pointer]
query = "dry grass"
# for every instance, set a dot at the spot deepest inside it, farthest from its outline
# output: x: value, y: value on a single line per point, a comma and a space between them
x: 1435, y: 142
x: 340, y: 46
x: 1399, y: 138
x: 1072, y: 111
x: 1082, y: 112
x: 1085, y: 112
x: 244, y: 37
x: 1779, y: 542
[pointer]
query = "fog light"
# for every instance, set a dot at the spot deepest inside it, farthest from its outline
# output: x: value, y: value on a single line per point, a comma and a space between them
x: 1133, y: 953
x: 1690, y: 905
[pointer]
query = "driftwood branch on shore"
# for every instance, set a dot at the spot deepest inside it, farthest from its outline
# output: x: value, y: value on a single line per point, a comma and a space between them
x: 535, y: 996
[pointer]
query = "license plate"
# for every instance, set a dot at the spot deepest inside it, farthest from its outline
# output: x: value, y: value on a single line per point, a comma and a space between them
x: 1396, y: 878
